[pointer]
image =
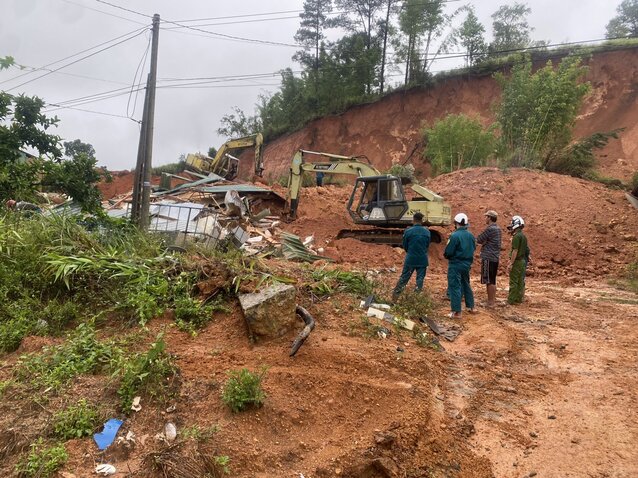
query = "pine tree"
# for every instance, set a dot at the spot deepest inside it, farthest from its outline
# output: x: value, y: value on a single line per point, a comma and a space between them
x: 470, y: 36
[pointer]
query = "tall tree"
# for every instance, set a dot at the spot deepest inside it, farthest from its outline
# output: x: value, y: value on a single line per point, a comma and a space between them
x: 510, y: 28
x: 421, y: 23
x: 470, y: 36
x: 364, y: 17
x: 311, y: 32
x: 389, y: 10
x: 625, y: 23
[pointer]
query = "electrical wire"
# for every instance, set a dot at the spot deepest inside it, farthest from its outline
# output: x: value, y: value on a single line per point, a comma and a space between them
x: 102, y: 11
x: 76, y: 61
x: 91, y: 111
x: 71, y: 56
x: 75, y: 75
x: 140, y: 68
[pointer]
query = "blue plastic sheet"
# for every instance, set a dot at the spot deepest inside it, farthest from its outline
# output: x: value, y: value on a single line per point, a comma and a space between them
x: 106, y: 436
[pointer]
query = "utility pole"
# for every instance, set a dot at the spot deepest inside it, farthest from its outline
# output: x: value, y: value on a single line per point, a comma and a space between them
x: 142, y: 186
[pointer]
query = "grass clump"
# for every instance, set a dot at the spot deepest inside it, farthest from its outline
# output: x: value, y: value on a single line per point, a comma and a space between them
x: 42, y: 461
x: 327, y: 282
x: 81, y: 354
x: 147, y: 372
x: 198, y: 433
x: 76, y: 421
x: 414, y: 305
x: 243, y: 389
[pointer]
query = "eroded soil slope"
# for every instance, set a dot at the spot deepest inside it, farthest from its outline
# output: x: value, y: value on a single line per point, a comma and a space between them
x: 389, y: 130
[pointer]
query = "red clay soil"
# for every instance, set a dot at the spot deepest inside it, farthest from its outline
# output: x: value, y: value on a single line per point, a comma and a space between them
x: 575, y: 227
x: 122, y: 183
x: 388, y: 130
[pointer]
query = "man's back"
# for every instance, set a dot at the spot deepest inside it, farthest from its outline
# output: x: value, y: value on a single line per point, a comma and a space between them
x: 416, y: 242
x: 460, y: 248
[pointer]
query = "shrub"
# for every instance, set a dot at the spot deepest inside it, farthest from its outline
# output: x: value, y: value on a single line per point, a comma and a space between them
x: 145, y: 373
x: 403, y: 171
x: 458, y: 142
x: 327, y: 282
x: 243, y: 388
x: 634, y: 182
x: 82, y: 353
x: 538, y: 110
x: 414, y: 305
x: 76, y: 421
x: 42, y: 461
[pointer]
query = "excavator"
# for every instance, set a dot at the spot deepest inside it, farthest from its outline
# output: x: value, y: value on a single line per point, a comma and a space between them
x: 224, y: 164
x: 377, y: 200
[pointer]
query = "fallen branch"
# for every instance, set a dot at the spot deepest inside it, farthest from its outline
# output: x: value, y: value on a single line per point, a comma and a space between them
x: 303, y: 335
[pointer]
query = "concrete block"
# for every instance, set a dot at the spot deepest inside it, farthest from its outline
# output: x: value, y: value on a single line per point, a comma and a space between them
x: 270, y: 313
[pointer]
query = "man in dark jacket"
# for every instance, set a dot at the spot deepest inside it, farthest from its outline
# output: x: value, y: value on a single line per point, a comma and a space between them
x: 490, y: 239
x: 416, y: 242
x: 460, y: 254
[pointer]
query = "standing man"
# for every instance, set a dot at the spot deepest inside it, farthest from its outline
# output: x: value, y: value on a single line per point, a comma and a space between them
x: 416, y: 242
x: 490, y: 240
x: 518, y: 261
x: 460, y: 254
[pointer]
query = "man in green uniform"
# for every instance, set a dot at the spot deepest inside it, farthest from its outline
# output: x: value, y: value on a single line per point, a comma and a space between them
x: 416, y: 242
x: 460, y: 254
x: 518, y: 261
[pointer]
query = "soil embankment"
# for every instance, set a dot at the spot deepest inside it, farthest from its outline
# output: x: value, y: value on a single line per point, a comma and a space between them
x: 389, y: 130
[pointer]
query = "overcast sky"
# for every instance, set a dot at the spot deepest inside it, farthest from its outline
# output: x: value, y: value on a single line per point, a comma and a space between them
x: 39, y: 32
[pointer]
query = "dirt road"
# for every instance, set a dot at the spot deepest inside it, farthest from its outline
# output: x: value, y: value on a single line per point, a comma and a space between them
x: 550, y: 388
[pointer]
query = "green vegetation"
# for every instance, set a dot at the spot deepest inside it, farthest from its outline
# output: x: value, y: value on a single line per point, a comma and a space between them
x: 146, y: 373
x: 414, y: 305
x: 82, y: 353
x: 458, y: 142
x: 76, y: 421
x: 327, y: 282
x: 170, y: 168
x: 634, y: 182
x: 24, y: 125
x: 243, y: 389
x: 42, y: 461
x: 403, y: 171
x: 538, y: 110
x: 625, y: 23
x: 198, y: 433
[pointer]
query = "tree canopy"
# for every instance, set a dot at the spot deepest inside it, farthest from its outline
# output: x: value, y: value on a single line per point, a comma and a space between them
x: 625, y: 23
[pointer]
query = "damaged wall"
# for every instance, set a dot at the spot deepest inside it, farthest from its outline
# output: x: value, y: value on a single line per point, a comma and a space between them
x: 389, y: 130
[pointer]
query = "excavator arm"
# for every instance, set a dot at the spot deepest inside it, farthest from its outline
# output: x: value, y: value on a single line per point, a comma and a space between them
x: 336, y: 164
x: 223, y: 163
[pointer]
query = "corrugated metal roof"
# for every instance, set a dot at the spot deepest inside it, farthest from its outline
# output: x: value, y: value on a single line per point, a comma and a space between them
x: 212, y: 178
x: 240, y: 188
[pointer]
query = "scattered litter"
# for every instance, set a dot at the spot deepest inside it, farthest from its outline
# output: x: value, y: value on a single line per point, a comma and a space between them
x: 170, y: 432
x: 309, y: 240
x: 294, y: 249
x: 381, y: 314
x: 171, y: 409
x: 303, y: 335
x: 383, y: 332
x: 105, y: 469
x: 365, y: 305
x: 107, y: 435
x: 136, y: 407
x: 128, y: 441
x: 448, y: 332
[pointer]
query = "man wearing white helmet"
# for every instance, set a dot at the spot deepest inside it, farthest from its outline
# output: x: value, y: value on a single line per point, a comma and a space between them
x: 518, y: 261
x: 460, y: 254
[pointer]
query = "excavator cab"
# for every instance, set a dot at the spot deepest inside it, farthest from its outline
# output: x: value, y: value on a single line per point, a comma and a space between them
x: 378, y: 201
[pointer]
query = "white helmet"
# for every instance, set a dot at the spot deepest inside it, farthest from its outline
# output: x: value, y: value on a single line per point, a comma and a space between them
x: 461, y: 219
x: 517, y: 223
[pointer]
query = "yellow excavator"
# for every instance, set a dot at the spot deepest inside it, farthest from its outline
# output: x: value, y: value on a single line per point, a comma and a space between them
x: 377, y: 200
x: 224, y: 164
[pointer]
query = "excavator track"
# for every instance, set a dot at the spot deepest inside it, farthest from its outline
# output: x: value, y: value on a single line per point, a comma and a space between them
x: 392, y: 237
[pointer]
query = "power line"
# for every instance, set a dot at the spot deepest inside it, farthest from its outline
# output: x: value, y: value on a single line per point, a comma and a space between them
x: 76, y: 61
x: 140, y: 68
x: 85, y: 77
x: 102, y: 11
x: 90, y: 111
x: 70, y: 56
